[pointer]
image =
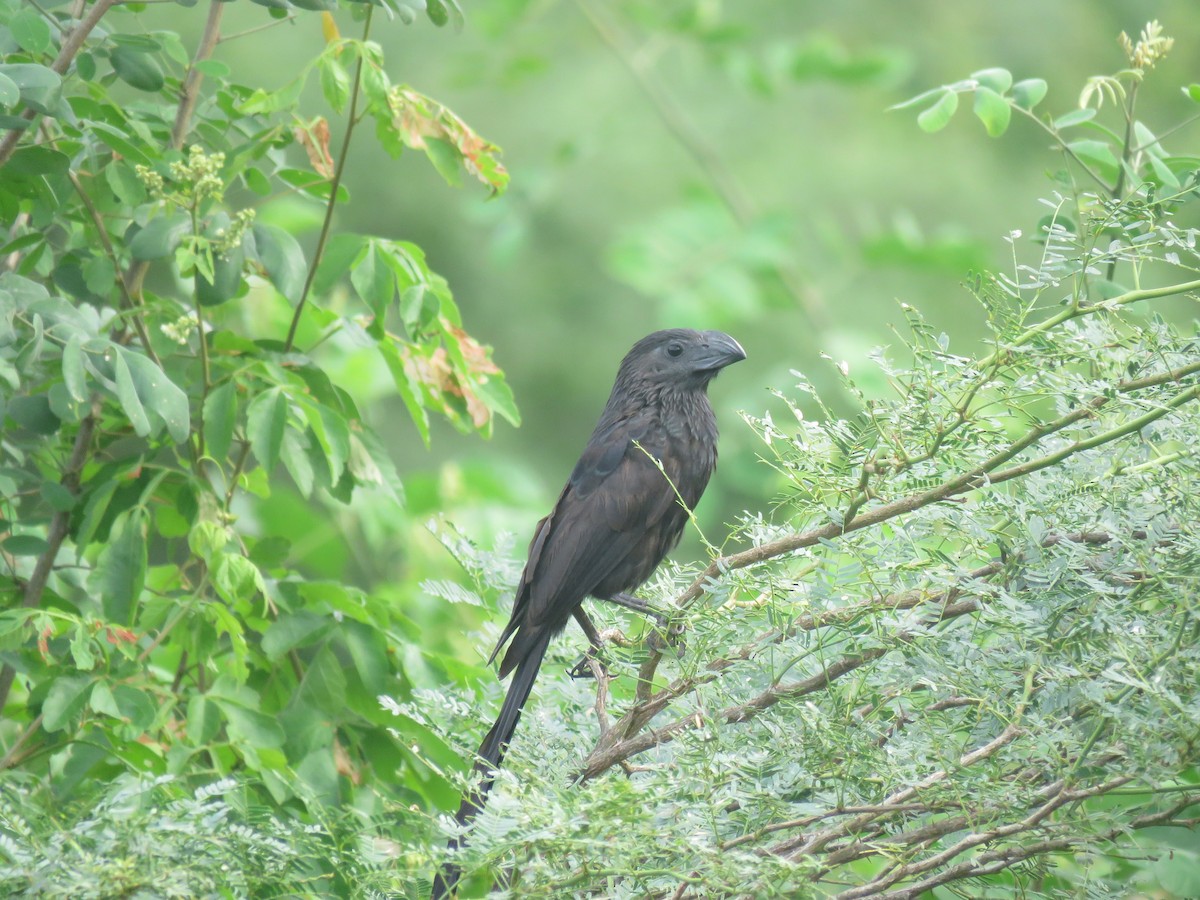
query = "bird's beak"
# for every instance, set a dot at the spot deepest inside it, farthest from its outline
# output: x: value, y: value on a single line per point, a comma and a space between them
x: 720, y: 350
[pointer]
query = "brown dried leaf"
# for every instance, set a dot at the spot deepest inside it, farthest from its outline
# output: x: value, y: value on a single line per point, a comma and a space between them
x: 314, y: 138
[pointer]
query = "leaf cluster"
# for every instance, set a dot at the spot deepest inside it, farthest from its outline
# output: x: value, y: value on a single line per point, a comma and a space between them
x: 170, y: 343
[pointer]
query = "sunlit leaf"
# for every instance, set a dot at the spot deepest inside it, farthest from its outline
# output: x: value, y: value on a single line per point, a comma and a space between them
x: 997, y: 80
x: 266, y: 420
x: 993, y: 111
x: 1029, y: 93
x: 938, y: 116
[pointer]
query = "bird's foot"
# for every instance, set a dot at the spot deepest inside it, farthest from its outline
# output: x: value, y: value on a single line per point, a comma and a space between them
x: 667, y: 634
x: 583, y: 666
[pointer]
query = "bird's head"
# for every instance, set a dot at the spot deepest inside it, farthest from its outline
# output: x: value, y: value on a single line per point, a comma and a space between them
x: 680, y: 358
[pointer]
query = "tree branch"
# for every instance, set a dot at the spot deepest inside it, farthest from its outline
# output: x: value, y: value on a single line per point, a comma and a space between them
x: 626, y: 738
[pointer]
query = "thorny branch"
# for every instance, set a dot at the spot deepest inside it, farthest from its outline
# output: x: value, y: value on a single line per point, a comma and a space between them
x: 989, y: 472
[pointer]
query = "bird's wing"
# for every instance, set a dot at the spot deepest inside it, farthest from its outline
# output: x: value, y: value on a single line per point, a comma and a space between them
x: 615, y: 495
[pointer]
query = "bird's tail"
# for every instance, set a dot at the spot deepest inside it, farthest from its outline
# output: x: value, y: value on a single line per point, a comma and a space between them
x: 491, y: 755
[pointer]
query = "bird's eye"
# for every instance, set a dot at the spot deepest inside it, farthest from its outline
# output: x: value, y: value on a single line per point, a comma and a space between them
x: 674, y: 348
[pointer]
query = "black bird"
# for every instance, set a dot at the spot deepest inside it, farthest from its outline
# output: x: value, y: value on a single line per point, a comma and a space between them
x: 615, y: 520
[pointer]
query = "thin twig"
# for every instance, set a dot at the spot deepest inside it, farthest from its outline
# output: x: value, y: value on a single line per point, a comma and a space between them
x: 334, y: 185
x: 190, y: 92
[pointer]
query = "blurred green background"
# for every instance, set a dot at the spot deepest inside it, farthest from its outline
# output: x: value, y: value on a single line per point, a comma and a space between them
x: 637, y: 135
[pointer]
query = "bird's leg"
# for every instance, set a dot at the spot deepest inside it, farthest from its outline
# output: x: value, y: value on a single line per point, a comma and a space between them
x: 581, y: 669
x: 666, y: 634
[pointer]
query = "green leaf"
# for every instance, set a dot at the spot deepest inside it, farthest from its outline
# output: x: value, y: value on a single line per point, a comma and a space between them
x: 118, y: 141
x: 34, y: 413
x: 236, y: 579
x: 94, y: 510
x: 312, y: 184
x: 203, y: 720
x: 24, y: 545
x: 997, y: 80
x: 157, y: 393
x: 442, y: 11
x: 1163, y: 171
x: 498, y: 396
x: 128, y: 396
x: 120, y: 571
x: 266, y: 420
x: 1094, y: 152
x: 74, y: 376
x: 161, y: 236
x: 368, y: 651
x: 58, y: 497
x: 207, y: 540
x: 257, y: 181
x: 99, y: 275
x: 1178, y: 872
x: 124, y: 702
x: 333, y: 434
x: 335, y: 80
x: 251, y: 726
x: 227, y: 278
x: 293, y: 630
x: 373, y: 279
x: 220, y: 415
x: 409, y: 390
x: 40, y: 87
x: 282, y: 258
x: 213, y: 68
x: 1029, y: 93
x: 324, y: 684
x: 9, y: 92
x: 65, y: 699
x: 1192, y: 92
x: 81, y: 649
x: 340, y: 254
x: 137, y: 68
x: 266, y: 102
x: 294, y: 453
x: 1074, y: 117
x: 446, y: 158
x: 992, y: 110
x: 31, y: 31
x: 938, y: 116
x: 85, y: 66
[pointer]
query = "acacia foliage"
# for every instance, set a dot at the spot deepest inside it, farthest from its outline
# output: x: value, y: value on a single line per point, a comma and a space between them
x: 960, y: 651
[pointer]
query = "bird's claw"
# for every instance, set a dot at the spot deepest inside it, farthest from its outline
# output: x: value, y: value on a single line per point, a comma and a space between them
x: 667, y: 634
x: 583, y: 666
